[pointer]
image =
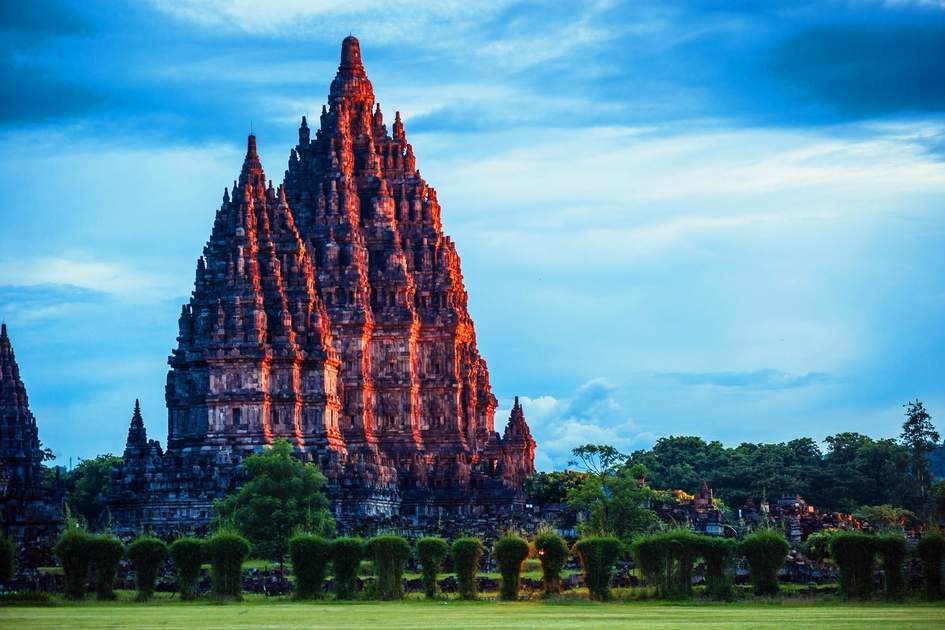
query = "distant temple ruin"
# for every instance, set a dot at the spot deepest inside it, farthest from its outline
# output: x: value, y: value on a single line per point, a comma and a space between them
x: 330, y: 311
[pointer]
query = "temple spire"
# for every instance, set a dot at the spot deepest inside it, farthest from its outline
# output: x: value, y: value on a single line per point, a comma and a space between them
x: 137, y: 434
x: 351, y: 81
x: 252, y: 172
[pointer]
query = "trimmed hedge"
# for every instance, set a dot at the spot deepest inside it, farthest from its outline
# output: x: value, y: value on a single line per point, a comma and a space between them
x: 553, y: 554
x: 931, y: 550
x: 147, y: 554
x: 227, y: 550
x: 188, y: 554
x: 346, y: 556
x: 765, y: 551
x: 719, y: 556
x: 390, y: 553
x: 7, y: 558
x: 310, y: 556
x: 75, y: 555
x: 854, y: 554
x: 510, y: 553
x: 892, y: 551
x: 431, y: 551
x: 666, y: 560
x: 466, y: 555
x: 106, y: 552
x: 598, y: 556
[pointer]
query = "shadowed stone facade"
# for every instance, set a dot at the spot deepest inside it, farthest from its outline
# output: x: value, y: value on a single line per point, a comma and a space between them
x: 30, y: 507
x: 331, y: 311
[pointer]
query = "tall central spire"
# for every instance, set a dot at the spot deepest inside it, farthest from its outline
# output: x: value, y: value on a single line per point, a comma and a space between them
x: 351, y: 81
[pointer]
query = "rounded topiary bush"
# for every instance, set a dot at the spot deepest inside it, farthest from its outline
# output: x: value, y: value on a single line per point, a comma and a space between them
x: 598, y: 556
x: 666, y: 560
x: 466, y: 554
x: 719, y: 556
x: 765, y: 551
x: 553, y: 553
x: 931, y: 551
x: 892, y: 551
x: 346, y: 556
x: 227, y: 550
x: 310, y: 555
x: 7, y: 558
x: 107, y: 551
x: 188, y: 554
x: 74, y: 550
x: 390, y: 552
x: 854, y: 553
x: 147, y: 554
x: 431, y: 551
x: 510, y: 552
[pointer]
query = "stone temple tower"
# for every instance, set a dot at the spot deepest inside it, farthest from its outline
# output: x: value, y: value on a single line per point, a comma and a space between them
x: 330, y: 311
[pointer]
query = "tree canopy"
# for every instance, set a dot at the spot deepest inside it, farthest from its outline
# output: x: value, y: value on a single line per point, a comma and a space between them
x: 282, y: 494
x: 89, y: 484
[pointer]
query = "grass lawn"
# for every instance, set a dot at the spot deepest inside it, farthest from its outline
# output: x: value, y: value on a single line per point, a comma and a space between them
x: 434, y: 615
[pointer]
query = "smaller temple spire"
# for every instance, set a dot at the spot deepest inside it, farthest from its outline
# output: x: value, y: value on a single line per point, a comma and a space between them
x: 137, y: 434
x: 252, y: 172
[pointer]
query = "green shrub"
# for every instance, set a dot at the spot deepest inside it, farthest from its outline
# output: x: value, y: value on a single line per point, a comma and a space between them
x: 431, y: 551
x: 7, y: 558
x: 553, y: 553
x: 466, y: 555
x: 598, y: 556
x: 75, y: 555
x: 346, y: 556
x: 765, y: 551
x: 390, y: 553
x: 510, y: 553
x: 107, y: 551
x: 227, y: 550
x: 666, y: 560
x: 147, y: 554
x: 310, y: 556
x: 854, y: 553
x: 931, y: 550
x: 892, y: 550
x: 719, y: 555
x: 188, y: 554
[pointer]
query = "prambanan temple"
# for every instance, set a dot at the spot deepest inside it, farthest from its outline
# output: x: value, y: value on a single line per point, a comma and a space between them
x: 330, y: 310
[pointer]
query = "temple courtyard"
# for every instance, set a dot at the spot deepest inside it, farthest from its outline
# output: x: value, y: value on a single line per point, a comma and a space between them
x: 432, y: 615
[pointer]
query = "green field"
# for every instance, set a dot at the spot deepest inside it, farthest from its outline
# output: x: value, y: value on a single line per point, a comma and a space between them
x: 435, y: 615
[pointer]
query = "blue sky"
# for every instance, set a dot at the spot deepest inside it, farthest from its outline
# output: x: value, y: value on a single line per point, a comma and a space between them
x: 713, y: 218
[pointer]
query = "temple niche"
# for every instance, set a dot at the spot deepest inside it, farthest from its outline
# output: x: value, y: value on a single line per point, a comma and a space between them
x: 330, y: 311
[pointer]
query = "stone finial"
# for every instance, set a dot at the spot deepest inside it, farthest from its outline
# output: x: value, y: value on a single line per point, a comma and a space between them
x: 350, y: 51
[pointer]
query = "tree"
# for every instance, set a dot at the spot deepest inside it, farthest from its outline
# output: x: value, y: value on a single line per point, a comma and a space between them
x: 89, y: 484
x: 281, y: 495
x: 597, y: 459
x: 920, y: 438
x: 884, y: 517
x: 552, y: 487
x: 614, y: 503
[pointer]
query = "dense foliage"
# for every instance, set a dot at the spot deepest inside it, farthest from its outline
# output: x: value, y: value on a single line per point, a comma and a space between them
x: 431, y: 551
x: 188, y: 554
x: 227, y: 550
x: 931, y: 551
x: 892, y: 552
x: 466, y: 554
x: 88, y: 485
x: 920, y: 438
x: 598, y: 555
x: 346, y: 556
x: 7, y: 558
x: 310, y: 555
x: 719, y: 557
x: 553, y: 553
x: 666, y: 560
x: 854, y: 554
x: 390, y: 552
x: 282, y: 495
x: 765, y: 551
x: 552, y: 487
x: 146, y: 554
x: 106, y: 552
x: 73, y: 549
x: 510, y: 552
